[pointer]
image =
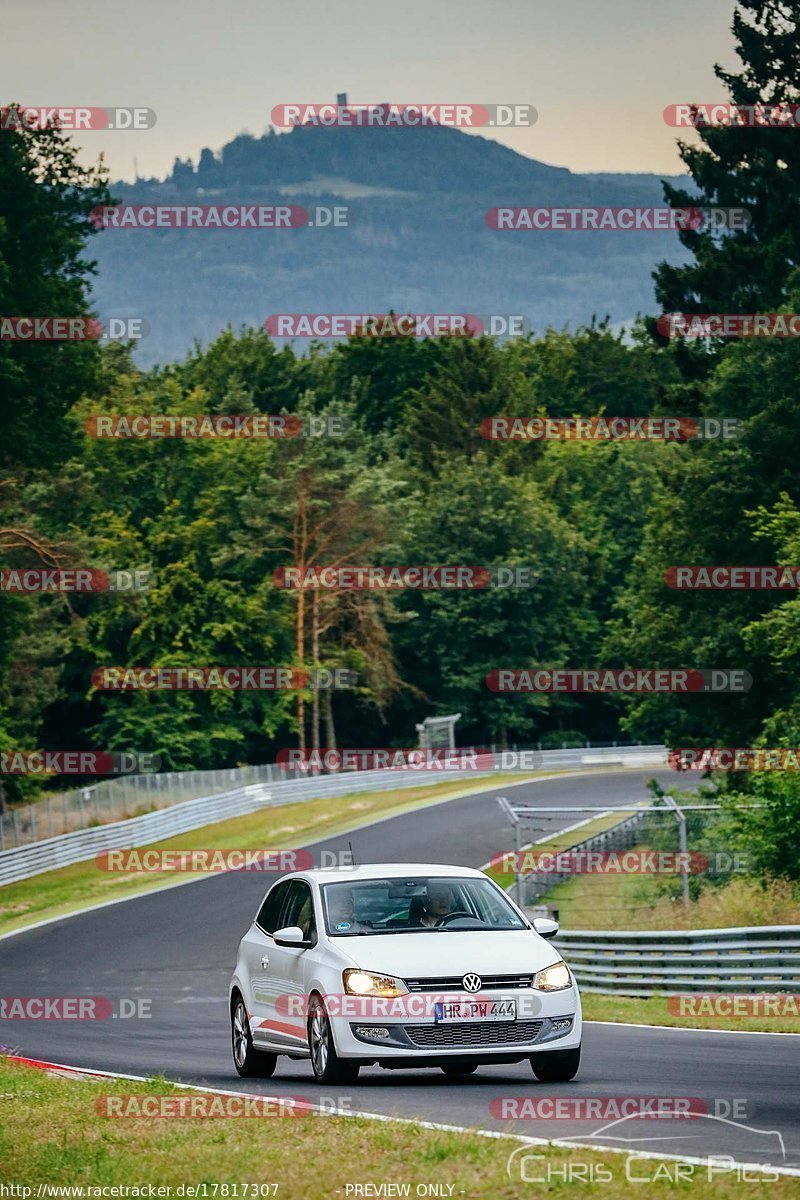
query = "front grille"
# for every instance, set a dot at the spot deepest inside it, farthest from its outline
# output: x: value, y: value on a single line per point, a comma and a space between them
x: 452, y: 983
x: 467, y: 1033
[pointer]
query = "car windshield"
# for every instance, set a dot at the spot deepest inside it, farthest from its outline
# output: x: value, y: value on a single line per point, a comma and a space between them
x: 414, y: 905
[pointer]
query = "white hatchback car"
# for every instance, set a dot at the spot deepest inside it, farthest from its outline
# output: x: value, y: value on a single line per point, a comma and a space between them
x: 403, y: 965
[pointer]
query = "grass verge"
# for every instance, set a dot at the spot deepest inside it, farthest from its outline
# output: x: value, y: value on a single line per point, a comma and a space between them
x: 51, y: 1133
x: 634, y: 902
x: 606, y: 901
x: 652, y: 1010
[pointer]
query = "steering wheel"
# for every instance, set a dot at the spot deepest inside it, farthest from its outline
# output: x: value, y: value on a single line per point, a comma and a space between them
x: 448, y: 917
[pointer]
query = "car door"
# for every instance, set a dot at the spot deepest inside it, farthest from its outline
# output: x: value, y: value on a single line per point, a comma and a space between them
x: 286, y: 1002
x: 258, y: 950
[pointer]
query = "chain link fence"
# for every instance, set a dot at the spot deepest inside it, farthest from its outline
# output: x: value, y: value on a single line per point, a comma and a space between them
x: 645, y: 857
x: 122, y: 797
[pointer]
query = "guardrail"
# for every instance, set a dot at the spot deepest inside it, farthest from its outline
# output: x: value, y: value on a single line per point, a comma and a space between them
x: 21, y: 862
x: 121, y: 797
x: 25, y: 861
x: 673, y: 962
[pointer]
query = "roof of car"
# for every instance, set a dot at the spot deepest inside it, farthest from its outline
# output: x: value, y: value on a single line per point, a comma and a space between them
x: 384, y: 871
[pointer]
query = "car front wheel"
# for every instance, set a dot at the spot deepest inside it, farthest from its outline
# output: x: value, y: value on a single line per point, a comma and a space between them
x: 325, y: 1062
x: 247, y: 1060
x: 558, y: 1066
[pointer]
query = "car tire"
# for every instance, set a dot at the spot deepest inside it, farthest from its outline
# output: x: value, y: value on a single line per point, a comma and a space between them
x: 325, y: 1062
x: 559, y: 1066
x: 453, y: 1070
x: 248, y: 1061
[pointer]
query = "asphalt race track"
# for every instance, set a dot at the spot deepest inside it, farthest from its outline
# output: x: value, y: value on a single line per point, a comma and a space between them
x: 177, y: 949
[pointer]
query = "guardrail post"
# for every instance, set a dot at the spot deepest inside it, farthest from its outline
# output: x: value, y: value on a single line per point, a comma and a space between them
x: 680, y: 817
x: 518, y: 872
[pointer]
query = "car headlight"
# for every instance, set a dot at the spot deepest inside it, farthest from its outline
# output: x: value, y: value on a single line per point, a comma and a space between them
x: 553, y: 979
x: 366, y: 983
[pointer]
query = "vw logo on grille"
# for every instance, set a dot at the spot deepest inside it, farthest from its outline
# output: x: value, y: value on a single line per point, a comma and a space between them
x: 472, y: 983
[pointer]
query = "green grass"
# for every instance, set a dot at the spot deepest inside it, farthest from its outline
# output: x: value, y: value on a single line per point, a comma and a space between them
x: 610, y: 901
x: 629, y: 902
x: 653, y: 1010
x: 51, y: 1133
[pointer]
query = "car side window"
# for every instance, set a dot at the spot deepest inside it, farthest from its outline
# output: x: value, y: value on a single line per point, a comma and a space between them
x: 300, y: 909
x: 269, y: 915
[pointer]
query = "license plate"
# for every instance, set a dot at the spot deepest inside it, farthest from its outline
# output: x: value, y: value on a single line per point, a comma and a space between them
x: 474, y: 1010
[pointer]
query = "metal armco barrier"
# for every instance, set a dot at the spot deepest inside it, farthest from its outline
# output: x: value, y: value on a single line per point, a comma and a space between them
x: 21, y: 862
x: 138, y: 831
x: 761, y: 959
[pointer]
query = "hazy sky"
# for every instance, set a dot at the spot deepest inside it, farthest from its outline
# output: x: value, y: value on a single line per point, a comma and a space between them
x: 599, y: 72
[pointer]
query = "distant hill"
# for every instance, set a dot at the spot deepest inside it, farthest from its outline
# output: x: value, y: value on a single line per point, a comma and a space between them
x: 418, y: 241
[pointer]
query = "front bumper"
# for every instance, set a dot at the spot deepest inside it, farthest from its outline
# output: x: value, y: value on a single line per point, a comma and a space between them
x: 545, y: 1021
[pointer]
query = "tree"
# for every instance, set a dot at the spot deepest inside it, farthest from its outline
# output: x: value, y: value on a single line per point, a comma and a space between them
x: 328, y: 505
x: 757, y: 168
x: 45, y: 201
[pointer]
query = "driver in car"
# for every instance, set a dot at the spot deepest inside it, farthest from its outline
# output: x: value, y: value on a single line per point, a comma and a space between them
x: 438, y: 903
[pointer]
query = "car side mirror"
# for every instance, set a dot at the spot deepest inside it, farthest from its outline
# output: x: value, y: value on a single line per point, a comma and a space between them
x: 545, y: 927
x: 291, y: 935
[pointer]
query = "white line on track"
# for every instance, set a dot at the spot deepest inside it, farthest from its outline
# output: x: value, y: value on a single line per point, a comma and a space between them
x: 562, y: 1143
x: 694, y: 1028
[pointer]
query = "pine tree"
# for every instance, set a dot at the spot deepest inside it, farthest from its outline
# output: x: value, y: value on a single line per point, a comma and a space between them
x: 757, y: 168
